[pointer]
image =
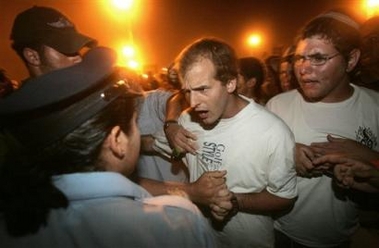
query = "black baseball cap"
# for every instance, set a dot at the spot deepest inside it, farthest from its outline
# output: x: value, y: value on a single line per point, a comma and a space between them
x: 50, y: 106
x: 49, y: 27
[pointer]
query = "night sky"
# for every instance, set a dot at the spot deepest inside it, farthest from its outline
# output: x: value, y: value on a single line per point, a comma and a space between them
x: 161, y: 28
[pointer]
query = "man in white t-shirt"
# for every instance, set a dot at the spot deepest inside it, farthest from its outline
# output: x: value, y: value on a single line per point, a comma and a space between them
x: 327, y: 115
x: 238, y: 136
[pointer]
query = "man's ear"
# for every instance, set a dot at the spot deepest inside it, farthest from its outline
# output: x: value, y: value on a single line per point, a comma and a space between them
x: 353, y: 59
x: 117, y: 140
x: 31, y: 56
x: 231, y: 86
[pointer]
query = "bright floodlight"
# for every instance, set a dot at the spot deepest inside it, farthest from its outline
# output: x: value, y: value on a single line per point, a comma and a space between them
x: 122, y: 4
x: 128, y: 51
x: 372, y: 8
x: 254, y: 40
x: 133, y: 64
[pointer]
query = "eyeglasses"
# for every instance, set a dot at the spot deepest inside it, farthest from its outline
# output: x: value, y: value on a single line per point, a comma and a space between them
x: 314, y: 59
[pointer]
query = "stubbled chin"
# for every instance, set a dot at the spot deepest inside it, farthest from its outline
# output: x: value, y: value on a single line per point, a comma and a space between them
x: 311, y: 92
x: 312, y: 96
x: 206, y: 121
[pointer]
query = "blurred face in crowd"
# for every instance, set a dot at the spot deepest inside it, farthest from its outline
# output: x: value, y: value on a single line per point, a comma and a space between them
x: 285, y: 73
x: 370, y: 42
x: 321, y: 71
x: 271, y: 86
x: 370, y: 51
x: 242, y: 87
x: 208, y: 97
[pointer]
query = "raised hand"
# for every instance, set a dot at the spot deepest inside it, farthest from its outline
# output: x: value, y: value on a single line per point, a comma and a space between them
x: 180, y: 139
x: 221, y: 208
x: 206, y: 189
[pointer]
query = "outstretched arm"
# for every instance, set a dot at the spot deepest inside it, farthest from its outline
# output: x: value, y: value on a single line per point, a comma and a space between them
x: 204, y: 191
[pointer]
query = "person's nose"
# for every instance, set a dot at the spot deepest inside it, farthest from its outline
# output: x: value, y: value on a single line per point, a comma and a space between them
x: 194, y: 99
x: 304, y: 67
x: 284, y: 75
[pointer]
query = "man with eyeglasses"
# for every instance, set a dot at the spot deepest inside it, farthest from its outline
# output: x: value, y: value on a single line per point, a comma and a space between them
x: 327, y: 115
x: 314, y: 59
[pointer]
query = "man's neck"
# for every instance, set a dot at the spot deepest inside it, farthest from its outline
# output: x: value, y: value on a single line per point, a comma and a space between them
x: 235, y: 105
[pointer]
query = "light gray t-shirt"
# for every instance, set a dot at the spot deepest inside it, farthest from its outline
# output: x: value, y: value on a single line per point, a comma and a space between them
x: 151, y: 119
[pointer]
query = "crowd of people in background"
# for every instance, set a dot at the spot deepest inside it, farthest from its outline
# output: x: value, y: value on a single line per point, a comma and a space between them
x: 278, y: 74
x: 217, y: 150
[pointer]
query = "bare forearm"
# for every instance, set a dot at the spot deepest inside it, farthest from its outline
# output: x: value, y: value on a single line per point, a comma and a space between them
x: 175, y: 105
x: 263, y: 203
x: 205, y: 191
x: 161, y: 188
x: 171, y: 188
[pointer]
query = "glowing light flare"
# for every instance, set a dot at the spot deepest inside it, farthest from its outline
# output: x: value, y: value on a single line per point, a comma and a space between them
x: 372, y: 8
x: 372, y: 3
x: 132, y: 64
x: 128, y: 57
x: 123, y: 4
x: 123, y: 10
x: 128, y: 51
x: 254, y: 40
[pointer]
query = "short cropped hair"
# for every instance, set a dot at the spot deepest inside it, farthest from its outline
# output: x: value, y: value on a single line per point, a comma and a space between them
x: 221, y: 54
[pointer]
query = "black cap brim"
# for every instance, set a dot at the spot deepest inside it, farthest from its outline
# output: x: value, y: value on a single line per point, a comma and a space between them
x: 49, y: 106
x: 69, y: 42
x: 60, y: 85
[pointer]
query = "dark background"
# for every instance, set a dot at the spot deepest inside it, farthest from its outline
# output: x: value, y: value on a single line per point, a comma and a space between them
x: 161, y: 28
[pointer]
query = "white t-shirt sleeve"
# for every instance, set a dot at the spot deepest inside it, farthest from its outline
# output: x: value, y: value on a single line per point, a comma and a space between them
x: 282, y: 173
